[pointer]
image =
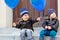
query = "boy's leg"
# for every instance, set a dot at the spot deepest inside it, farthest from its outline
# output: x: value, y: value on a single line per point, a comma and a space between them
x: 52, y: 34
x: 29, y: 34
x: 22, y: 34
x: 42, y: 34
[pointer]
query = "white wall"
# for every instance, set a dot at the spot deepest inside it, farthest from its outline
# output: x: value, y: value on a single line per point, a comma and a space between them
x: 59, y: 9
x: 9, y: 17
x: 5, y: 15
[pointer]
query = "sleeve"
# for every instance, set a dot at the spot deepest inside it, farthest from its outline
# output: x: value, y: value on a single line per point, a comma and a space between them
x: 44, y: 24
x: 18, y: 25
x: 34, y: 21
x: 56, y: 25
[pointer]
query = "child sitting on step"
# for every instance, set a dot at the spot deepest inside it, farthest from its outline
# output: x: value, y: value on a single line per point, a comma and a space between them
x: 26, y: 24
x: 50, y: 25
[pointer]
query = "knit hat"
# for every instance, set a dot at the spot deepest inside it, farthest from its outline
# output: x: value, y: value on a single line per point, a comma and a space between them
x: 50, y: 11
x: 23, y: 11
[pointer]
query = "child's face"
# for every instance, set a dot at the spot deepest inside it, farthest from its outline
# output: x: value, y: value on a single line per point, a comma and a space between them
x: 53, y: 15
x: 25, y: 17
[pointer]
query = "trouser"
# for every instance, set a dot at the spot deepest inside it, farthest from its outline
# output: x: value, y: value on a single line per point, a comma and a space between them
x: 27, y: 32
x: 51, y: 33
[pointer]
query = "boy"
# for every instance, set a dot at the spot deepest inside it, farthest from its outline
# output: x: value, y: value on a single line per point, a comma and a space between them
x: 26, y: 24
x: 50, y: 25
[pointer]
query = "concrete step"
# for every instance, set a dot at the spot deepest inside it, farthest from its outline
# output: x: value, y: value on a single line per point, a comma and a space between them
x: 14, y: 34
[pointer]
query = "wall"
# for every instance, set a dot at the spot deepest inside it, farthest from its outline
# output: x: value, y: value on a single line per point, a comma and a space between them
x: 59, y: 9
x: 5, y: 15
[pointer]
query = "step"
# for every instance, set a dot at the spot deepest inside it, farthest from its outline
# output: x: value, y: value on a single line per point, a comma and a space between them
x: 14, y: 34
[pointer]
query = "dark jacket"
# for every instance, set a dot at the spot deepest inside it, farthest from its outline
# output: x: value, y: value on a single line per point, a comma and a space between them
x: 54, y: 23
x: 26, y: 24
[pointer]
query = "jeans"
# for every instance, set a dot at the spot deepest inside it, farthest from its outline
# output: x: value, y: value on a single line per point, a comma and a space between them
x: 51, y: 33
x: 28, y: 32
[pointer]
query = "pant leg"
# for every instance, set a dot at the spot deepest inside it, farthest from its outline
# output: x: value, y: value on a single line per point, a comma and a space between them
x: 52, y: 34
x: 22, y: 34
x: 42, y: 34
x: 29, y: 34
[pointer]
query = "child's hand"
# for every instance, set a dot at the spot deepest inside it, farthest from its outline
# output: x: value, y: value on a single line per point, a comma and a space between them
x: 46, y: 27
x: 14, y: 24
x: 39, y: 18
x: 49, y: 28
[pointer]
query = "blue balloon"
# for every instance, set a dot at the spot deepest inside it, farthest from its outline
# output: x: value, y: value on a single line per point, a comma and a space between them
x: 12, y: 3
x: 38, y: 4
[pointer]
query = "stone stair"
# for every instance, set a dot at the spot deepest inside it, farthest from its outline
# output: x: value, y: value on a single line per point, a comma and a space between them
x: 14, y: 34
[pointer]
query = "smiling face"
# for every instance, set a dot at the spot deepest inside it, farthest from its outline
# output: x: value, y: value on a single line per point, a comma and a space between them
x: 25, y: 17
x: 53, y: 15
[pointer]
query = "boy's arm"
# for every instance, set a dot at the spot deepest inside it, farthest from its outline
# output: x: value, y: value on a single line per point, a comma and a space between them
x: 56, y: 25
x: 18, y: 25
x: 44, y: 24
x: 36, y: 20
